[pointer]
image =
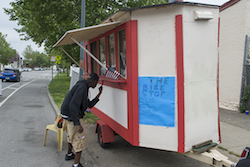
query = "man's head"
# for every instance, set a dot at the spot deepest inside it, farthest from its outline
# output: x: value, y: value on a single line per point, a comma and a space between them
x: 93, y: 79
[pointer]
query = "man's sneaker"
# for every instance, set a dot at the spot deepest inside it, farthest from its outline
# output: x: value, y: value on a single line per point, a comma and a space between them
x: 79, y: 165
x: 67, y: 158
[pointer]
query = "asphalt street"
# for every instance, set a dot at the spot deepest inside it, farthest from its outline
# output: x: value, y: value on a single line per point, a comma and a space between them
x: 23, y: 119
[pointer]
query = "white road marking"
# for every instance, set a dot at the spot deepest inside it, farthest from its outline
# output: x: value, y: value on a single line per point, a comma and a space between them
x: 1, y: 103
x: 10, y: 86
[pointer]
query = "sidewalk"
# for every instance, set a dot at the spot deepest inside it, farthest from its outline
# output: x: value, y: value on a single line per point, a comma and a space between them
x: 235, y: 131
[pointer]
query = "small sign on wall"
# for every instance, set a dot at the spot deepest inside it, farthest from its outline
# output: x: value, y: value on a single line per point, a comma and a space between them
x: 157, y: 101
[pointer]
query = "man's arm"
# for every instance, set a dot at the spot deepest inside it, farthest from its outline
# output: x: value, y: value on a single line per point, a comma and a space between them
x: 96, y: 99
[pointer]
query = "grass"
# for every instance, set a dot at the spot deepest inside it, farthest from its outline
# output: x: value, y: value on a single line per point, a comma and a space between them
x: 58, y: 90
x: 230, y: 152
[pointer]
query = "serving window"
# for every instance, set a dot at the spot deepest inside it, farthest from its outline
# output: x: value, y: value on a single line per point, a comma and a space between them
x: 122, y: 52
x: 110, y: 50
x: 93, y: 62
x: 87, y: 60
x: 102, y: 56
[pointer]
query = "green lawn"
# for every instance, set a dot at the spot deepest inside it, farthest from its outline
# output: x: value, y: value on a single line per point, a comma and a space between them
x: 58, y: 90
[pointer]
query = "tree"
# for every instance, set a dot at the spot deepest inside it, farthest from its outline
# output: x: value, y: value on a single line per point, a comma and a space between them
x: 46, y: 21
x: 6, y: 52
x: 35, y: 58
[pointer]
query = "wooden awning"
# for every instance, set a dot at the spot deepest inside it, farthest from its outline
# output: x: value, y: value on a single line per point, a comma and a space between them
x: 86, y: 33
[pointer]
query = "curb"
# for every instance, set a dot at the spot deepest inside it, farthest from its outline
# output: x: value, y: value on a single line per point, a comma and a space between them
x: 56, y: 109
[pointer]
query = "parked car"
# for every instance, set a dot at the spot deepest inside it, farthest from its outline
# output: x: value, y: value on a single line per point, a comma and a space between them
x: 27, y: 69
x: 20, y: 69
x: 10, y: 74
x: 38, y: 69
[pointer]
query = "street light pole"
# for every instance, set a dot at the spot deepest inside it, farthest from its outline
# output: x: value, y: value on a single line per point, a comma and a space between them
x: 83, y: 4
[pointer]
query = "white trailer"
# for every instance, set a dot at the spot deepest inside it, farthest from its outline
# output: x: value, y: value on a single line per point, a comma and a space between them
x: 168, y: 97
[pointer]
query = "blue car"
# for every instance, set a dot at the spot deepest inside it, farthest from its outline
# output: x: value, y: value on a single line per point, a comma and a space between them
x: 10, y: 74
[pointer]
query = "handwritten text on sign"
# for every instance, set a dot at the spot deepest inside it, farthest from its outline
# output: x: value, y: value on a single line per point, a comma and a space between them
x: 157, y: 101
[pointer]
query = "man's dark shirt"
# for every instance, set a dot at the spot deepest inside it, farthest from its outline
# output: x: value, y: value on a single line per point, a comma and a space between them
x: 76, y: 102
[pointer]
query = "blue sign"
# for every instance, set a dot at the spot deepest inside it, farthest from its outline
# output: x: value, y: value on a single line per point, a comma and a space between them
x: 157, y: 101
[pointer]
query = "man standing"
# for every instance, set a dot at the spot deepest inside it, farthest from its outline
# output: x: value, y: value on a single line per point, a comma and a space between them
x: 73, y: 108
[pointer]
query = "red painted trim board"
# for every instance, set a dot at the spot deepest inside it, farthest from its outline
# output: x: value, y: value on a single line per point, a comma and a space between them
x: 115, y: 126
x: 131, y: 134
x: 133, y: 92
x: 180, y: 82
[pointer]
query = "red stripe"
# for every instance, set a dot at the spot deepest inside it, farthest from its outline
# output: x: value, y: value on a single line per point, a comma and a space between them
x: 134, y: 113
x: 111, y: 123
x: 180, y: 83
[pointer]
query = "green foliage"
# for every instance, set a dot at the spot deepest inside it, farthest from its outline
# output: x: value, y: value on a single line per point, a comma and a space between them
x: 244, y: 99
x: 6, y: 52
x: 35, y: 59
x: 44, y: 22
x: 65, y: 61
x: 59, y: 88
x: 89, y: 117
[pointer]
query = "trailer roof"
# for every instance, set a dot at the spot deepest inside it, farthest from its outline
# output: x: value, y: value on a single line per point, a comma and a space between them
x: 123, y: 11
x: 86, y: 33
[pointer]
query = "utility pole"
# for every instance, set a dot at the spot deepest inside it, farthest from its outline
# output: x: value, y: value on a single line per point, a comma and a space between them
x: 83, y: 4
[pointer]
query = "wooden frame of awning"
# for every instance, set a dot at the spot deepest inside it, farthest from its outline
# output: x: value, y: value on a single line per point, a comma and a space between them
x: 85, y: 34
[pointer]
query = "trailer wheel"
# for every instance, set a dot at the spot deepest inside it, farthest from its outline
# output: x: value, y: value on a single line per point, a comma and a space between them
x: 100, y: 138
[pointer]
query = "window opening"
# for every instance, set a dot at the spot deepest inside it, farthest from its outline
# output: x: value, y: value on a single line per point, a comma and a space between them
x: 122, y: 52
x: 102, y: 56
x: 93, y: 62
x: 111, y: 51
x: 87, y: 59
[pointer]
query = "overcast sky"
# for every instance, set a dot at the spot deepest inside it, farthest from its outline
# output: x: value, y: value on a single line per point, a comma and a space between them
x: 7, y: 27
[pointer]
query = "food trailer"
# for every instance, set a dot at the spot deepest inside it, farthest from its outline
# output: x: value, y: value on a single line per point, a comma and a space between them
x: 167, y: 94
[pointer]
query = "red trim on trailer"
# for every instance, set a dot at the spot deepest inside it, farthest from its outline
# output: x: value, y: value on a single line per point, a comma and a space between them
x: 131, y: 134
x: 129, y: 81
x: 108, y: 135
x: 133, y: 98
x: 121, y: 83
x: 180, y: 82
x: 218, y: 81
x: 115, y: 126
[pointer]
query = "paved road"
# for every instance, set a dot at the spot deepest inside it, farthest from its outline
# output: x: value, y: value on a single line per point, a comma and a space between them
x: 24, y: 116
